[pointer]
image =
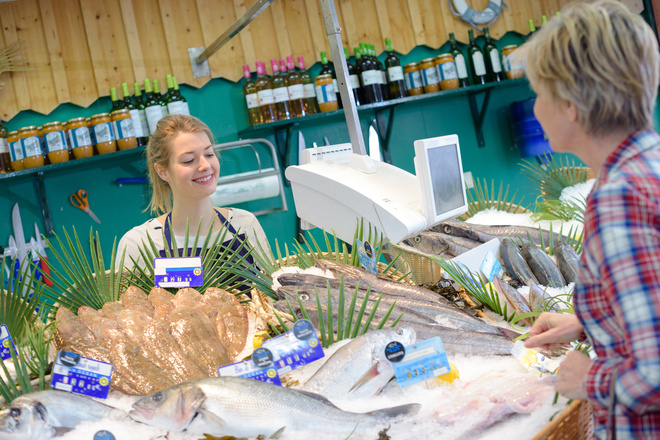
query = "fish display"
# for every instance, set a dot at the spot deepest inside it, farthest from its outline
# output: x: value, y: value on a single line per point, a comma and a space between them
x: 248, y: 408
x: 47, y: 414
x: 158, y: 340
x: 359, y: 369
x: 568, y: 261
x: 439, y: 243
x: 514, y: 262
x: 485, y: 233
x: 546, y: 271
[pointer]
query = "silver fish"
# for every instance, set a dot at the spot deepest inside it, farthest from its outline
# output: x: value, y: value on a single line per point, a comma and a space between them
x: 247, y: 408
x: 513, y: 296
x: 546, y: 271
x: 539, y: 299
x: 359, y: 369
x: 567, y: 260
x: 514, y: 263
x: 436, y: 243
x: 464, y: 342
x: 47, y: 414
x: 485, y: 233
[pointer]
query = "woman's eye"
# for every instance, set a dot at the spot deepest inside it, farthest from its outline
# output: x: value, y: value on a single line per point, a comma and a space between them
x: 188, y: 161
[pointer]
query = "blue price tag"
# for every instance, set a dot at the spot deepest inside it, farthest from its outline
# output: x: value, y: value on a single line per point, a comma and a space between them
x: 178, y: 272
x: 295, y: 348
x: 249, y: 370
x: 367, y: 256
x: 491, y: 267
x: 6, y: 341
x: 422, y: 361
x: 80, y: 375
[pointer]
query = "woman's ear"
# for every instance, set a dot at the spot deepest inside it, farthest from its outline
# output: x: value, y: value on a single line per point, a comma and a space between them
x: 572, y: 111
x: 162, y: 172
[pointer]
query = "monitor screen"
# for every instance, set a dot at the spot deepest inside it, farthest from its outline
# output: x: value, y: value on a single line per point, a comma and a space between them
x: 446, y: 182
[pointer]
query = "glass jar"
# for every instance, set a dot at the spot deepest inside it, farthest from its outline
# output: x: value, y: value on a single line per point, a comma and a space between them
x: 429, y: 75
x: 122, y: 125
x: 31, y: 145
x: 447, y: 71
x: 105, y: 138
x: 55, y: 143
x: 80, y: 138
x: 413, y: 79
x: 511, y: 68
x: 326, y: 95
x: 15, y: 151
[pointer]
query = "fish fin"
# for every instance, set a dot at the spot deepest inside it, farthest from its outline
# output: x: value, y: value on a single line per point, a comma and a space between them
x: 190, y: 400
x: 277, y: 434
x: 58, y: 431
x: 403, y: 410
x: 317, y: 397
x: 366, y: 377
x: 509, y: 333
x: 207, y: 423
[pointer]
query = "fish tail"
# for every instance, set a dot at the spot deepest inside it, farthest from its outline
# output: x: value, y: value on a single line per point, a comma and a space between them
x: 403, y: 410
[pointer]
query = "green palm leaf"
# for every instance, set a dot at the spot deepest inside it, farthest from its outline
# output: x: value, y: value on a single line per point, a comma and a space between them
x: 554, y: 175
x: 480, y: 199
x: 20, y: 300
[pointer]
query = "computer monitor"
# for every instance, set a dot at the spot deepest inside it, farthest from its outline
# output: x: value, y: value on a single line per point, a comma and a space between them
x: 440, y: 174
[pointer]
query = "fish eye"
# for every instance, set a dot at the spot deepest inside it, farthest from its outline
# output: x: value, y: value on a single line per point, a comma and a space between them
x: 418, y: 239
x: 157, y: 397
x: 304, y: 297
x: 15, y: 412
x: 399, y: 331
x: 447, y: 230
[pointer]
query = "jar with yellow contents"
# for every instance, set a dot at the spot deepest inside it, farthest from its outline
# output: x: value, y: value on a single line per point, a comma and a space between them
x: 429, y: 75
x: 105, y: 138
x: 55, y: 142
x: 326, y: 95
x: 512, y: 68
x: 15, y: 151
x: 447, y: 71
x: 31, y: 144
x: 124, y: 132
x: 80, y: 138
x: 413, y: 78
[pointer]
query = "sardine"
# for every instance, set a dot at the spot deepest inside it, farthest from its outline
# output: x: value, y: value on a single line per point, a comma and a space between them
x: 242, y: 407
x: 546, y: 271
x: 514, y: 263
x: 436, y: 243
x: 485, y: 233
x: 514, y: 297
x: 568, y: 261
x: 359, y: 369
x: 51, y: 413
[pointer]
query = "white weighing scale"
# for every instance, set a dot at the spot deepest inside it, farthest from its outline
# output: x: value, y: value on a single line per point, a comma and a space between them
x: 335, y: 189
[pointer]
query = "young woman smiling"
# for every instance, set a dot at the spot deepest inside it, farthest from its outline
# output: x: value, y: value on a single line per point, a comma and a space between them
x: 183, y: 173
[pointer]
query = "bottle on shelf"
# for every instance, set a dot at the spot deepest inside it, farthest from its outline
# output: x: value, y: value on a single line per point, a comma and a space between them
x: 141, y: 137
x: 5, y: 159
x: 251, y: 97
x: 139, y: 104
x: 353, y: 79
x: 185, y: 109
x: 395, y: 81
x: 532, y: 28
x: 152, y: 107
x: 370, y: 77
x: 383, y: 74
x: 114, y: 97
x: 328, y: 68
x: 459, y: 59
x: 311, y: 105
x: 492, y: 56
x: 170, y: 87
x: 160, y: 98
x: 544, y: 20
x: 174, y: 101
x: 477, y: 63
x: 296, y: 89
x: 265, y: 93
x: 280, y: 92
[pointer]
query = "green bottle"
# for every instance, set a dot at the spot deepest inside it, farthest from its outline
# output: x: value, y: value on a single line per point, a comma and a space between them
x: 396, y: 84
x: 477, y: 64
x: 152, y: 107
x: 139, y: 104
x: 173, y: 100
x: 116, y: 103
x: 493, y: 60
x: 184, y: 108
x: 160, y: 97
x: 459, y: 59
x: 353, y: 79
x: 532, y: 28
x: 135, y: 116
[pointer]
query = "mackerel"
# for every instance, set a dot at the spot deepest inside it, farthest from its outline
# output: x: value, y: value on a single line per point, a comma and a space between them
x: 546, y: 271
x: 568, y: 261
x: 514, y: 263
x: 436, y: 243
x: 485, y: 233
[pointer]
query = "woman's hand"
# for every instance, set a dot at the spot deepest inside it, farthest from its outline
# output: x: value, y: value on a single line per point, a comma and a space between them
x: 552, y: 329
x: 572, y: 375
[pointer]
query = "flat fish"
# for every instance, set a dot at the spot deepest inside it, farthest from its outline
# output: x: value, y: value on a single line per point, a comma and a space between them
x: 568, y: 261
x: 106, y: 331
x: 132, y: 322
x: 139, y: 372
x: 515, y: 263
x: 135, y: 298
x: 111, y: 309
x: 160, y: 346
x: 230, y: 318
x: 187, y: 297
x: 198, y: 340
x: 158, y: 297
x: 71, y: 329
x: 546, y: 271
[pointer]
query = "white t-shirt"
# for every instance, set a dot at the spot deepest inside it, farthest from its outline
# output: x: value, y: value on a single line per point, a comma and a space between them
x: 243, y: 221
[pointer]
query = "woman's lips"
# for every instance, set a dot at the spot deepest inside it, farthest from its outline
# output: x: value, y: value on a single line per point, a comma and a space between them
x: 204, y: 180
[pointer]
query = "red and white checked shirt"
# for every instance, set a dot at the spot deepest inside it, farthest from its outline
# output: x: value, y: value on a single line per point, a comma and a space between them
x: 618, y: 296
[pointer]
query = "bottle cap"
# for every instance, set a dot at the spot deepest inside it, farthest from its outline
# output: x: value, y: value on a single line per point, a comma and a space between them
x: 301, y: 62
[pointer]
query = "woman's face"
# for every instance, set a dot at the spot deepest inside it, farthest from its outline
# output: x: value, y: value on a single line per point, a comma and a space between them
x: 193, y: 169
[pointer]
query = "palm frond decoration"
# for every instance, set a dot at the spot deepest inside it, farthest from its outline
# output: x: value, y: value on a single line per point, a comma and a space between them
x: 554, y: 175
x: 559, y: 210
x: 480, y: 199
x: 82, y: 280
x: 21, y: 298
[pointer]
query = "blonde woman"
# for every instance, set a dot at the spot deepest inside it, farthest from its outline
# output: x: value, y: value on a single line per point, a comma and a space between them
x: 183, y: 173
x: 595, y: 72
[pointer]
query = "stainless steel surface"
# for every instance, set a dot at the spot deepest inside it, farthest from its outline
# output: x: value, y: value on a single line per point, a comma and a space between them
x: 332, y: 29
x: 200, y: 69
x: 257, y: 8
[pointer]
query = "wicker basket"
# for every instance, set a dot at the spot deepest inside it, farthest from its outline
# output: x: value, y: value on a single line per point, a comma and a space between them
x: 574, y: 423
x: 422, y: 267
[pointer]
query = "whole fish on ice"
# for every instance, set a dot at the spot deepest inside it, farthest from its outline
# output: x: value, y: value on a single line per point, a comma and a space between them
x: 247, y: 408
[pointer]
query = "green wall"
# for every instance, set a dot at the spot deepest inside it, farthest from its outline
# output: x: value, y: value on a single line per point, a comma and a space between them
x: 220, y: 104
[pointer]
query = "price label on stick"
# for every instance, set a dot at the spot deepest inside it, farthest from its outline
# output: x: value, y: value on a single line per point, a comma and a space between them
x: 6, y: 342
x: 81, y: 375
x: 295, y: 348
x: 422, y: 361
x: 259, y: 367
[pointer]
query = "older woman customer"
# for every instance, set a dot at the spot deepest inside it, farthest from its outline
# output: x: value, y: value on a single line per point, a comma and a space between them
x: 595, y: 70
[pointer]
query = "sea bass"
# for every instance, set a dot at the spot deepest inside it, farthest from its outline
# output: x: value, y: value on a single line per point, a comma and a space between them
x: 568, y: 261
x: 546, y: 271
x: 359, y: 369
x: 240, y: 407
x: 515, y: 263
x: 48, y: 414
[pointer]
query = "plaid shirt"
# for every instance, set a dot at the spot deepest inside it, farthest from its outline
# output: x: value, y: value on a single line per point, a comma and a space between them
x: 618, y: 296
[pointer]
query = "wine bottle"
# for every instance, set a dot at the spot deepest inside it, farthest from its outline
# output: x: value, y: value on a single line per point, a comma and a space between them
x: 477, y: 64
x: 384, y: 90
x: 459, y: 59
x: 5, y: 158
x: 371, y: 78
x: 159, y: 97
x: 396, y: 83
x: 493, y: 61
x: 185, y: 109
x: 311, y: 105
x: 173, y: 100
x: 265, y: 93
x: 544, y: 20
x: 139, y: 104
x: 116, y: 103
x: 353, y: 79
x: 532, y: 28
x: 327, y: 68
x: 251, y: 97
x: 135, y: 116
x: 296, y: 89
x: 170, y: 89
x: 152, y: 108
x: 280, y: 92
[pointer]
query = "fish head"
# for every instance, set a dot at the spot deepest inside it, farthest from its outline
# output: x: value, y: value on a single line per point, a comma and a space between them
x: 404, y: 334
x: 171, y: 409
x: 428, y: 242
x: 25, y: 419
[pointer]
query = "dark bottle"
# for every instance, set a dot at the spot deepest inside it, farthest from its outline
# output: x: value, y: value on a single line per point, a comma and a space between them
x: 117, y: 104
x: 152, y: 107
x: 327, y: 68
x: 311, y: 105
x: 5, y: 158
x: 251, y: 97
x: 135, y: 116
x: 370, y: 77
x: 395, y: 81
x: 459, y: 59
x: 280, y: 92
x: 265, y: 93
x: 493, y: 60
x: 160, y: 97
x: 477, y: 64
x: 353, y: 79
x: 139, y: 104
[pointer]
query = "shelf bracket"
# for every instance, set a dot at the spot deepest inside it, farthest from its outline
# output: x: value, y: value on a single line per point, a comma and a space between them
x: 283, y: 141
x: 40, y: 190
x: 385, y: 126
x: 479, y: 115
